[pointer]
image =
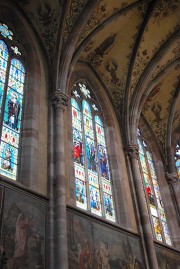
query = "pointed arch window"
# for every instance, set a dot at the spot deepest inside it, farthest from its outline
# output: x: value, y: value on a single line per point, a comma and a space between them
x: 12, y: 77
x: 91, y: 164
x: 152, y: 193
x: 177, y: 159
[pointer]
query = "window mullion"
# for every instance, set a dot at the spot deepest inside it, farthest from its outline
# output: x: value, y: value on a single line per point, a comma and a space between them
x: 85, y: 160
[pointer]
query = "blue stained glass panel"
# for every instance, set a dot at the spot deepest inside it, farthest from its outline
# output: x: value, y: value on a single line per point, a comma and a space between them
x: 98, y: 121
x: 103, y: 162
x: 13, y: 110
x: 5, y: 31
x: 140, y: 147
x: 2, y: 75
x: 17, y: 71
x: 3, y: 64
x: 1, y: 92
x: 109, y: 208
x: 15, y: 85
x: 91, y: 154
x: 81, y: 197
x: 95, y: 202
x: 86, y: 109
x: 3, y: 50
x: 74, y: 104
x: 8, y: 160
x: 16, y: 64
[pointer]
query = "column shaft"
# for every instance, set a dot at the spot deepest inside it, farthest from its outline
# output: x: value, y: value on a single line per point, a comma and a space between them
x: 144, y: 217
x: 60, y: 100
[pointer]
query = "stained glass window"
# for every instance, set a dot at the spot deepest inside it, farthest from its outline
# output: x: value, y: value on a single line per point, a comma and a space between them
x: 12, y: 76
x: 153, y: 197
x: 177, y: 159
x: 91, y: 164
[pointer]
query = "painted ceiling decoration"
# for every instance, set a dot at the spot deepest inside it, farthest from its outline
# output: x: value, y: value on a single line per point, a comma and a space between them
x: 132, y: 46
x: 45, y: 16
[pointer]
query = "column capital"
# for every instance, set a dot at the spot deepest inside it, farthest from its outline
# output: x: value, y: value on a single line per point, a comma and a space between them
x: 133, y: 151
x: 171, y: 177
x: 59, y: 100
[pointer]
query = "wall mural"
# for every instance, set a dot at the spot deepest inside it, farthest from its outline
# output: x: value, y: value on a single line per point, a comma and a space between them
x: 23, y: 231
x: 96, y: 246
x: 167, y: 259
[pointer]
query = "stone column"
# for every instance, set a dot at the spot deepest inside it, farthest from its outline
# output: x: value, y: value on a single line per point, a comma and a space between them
x: 60, y: 101
x: 51, y: 181
x: 173, y: 180
x: 133, y: 152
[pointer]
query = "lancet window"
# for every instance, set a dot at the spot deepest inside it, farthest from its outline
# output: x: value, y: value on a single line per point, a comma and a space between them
x: 91, y: 164
x: 152, y: 193
x: 12, y: 78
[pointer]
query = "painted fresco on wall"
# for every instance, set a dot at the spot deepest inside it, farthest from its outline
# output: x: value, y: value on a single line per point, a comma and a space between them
x: 23, y: 232
x: 95, y: 246
x: 168, y: 259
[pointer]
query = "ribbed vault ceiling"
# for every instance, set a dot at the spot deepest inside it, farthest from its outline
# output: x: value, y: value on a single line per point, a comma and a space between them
x: 132, y: 46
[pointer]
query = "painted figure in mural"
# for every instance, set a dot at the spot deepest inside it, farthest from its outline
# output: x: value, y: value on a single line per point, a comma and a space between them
x: 105, y: 255
x: 6, y: 163
x: 20, y: 240
x: 85, y: 257
x: 13, y: 111
x: 22, y: 244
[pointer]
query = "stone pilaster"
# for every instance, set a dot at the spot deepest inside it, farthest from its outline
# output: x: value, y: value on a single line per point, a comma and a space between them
x: 133, y: 153
x: 59, y: 102
x: 173, y: 181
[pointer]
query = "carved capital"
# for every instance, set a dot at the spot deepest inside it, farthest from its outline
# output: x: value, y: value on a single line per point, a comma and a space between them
x: 59, y: 100
x: 133, y: 151
x: 171, y: 178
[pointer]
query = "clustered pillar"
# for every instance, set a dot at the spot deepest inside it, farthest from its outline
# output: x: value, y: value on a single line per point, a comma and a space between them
x: 133, y: 152
x: 173, y: 180
x: 60, y: 101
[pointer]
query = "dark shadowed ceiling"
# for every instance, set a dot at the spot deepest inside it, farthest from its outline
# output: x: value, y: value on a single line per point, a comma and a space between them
x: 132, y: 46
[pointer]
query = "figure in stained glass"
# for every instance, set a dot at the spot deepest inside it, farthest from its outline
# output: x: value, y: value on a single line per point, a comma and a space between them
x: 80, y: 191
x: 103, y: 162
x: 6, y: 162
x: 108, y: 204
x: 13, y: 111
x: 78, y: 147
x: 91, y: 154
x: 94, y: 198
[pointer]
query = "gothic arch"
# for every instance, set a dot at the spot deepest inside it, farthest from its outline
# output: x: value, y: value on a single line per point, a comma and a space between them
x: 119, y: 174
